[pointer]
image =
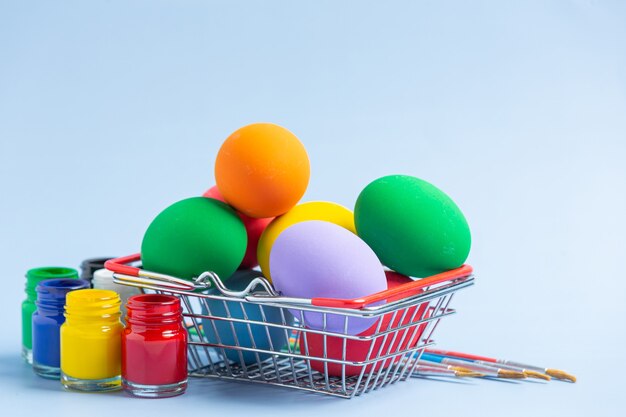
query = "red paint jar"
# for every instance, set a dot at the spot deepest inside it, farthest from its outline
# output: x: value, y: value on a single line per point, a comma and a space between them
x: 154, y: 347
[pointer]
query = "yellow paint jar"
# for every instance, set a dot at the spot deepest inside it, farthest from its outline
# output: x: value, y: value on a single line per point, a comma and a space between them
x: 91, y: 341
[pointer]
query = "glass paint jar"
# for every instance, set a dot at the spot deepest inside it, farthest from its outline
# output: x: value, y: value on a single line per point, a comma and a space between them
x: 154, y: 347
x: 89, y: 266
x: 33, y: 277
x: 47, y: 321
x: 103, y: 280
x: 91, y: 341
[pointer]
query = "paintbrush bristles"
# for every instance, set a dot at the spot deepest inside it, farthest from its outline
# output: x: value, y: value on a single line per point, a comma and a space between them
x: 537, y: 375
x: 505, y: 373
x: 459, y: 369
x: 470, y: 374
x: 555, y: 373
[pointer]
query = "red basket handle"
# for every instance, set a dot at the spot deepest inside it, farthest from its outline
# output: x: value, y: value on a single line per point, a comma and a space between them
x: 401, y: 290
x: 120, y: 266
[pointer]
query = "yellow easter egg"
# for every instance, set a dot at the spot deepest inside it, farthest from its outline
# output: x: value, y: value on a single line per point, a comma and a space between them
x: 313, y: 210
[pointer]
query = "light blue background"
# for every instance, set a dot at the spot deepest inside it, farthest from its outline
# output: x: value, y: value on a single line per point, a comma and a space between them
x: 111, y: 110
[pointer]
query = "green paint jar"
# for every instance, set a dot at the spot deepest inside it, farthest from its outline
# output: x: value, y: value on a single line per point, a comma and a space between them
x: 33, y: 277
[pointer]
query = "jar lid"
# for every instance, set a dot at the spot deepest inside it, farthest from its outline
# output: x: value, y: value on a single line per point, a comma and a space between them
x: 52, y: 292
x: 92, y: 303
x: 89, y: 266
x: 153, y: 309
x: 36, y: 275
x: 102, y: 276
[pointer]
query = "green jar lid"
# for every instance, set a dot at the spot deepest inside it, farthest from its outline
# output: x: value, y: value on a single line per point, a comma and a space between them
x: 36, y: 275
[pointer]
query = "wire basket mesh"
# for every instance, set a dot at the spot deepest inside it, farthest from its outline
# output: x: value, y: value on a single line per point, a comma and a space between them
x: 256, y: 335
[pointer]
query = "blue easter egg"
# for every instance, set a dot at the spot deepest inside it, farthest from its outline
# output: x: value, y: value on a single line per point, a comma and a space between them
x: 239, y: 334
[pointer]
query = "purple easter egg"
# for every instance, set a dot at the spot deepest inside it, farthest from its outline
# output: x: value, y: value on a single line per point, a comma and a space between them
x: 320, y: 259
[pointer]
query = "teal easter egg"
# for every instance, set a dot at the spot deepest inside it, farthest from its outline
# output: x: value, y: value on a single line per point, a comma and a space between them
x: 250, y: 335
x: 413, y: 227
x: 192, y: 236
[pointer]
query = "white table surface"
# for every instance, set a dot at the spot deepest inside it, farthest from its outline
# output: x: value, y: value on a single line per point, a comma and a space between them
x: 110, y: 111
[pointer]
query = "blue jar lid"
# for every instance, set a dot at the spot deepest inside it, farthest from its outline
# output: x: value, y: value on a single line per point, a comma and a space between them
x: 51, y: 292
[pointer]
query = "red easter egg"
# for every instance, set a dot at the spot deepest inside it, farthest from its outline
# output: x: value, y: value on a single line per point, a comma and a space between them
x: 213, y: 192
x: 358, y: 350
x: 254, y: 229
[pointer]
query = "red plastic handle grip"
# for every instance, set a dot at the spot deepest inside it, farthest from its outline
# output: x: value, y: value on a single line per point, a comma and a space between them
x: 119, y: 265
x: 409, y: 288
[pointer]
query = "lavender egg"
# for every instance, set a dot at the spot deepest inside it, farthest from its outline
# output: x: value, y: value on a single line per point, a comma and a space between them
x: 320, y: 259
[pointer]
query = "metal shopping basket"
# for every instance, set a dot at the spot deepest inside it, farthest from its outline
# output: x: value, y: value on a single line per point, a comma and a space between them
x: 257, y: 335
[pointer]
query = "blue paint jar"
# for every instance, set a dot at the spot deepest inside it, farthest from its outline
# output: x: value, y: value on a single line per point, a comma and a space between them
x: 47, y: 321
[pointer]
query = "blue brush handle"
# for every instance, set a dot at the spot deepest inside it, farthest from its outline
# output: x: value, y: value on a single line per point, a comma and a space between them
x: 435, y: 357
x: 431, y: 357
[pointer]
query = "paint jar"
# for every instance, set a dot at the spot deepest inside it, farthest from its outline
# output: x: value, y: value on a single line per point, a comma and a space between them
x: 91, y: 341
x: 89, y: 266
x: 154, y: 347
x: 33, y: 277
x: 47, y: 321
x: 103, y: 280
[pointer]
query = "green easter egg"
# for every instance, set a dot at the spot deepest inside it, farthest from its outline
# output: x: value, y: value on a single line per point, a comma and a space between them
x: 413, y: 227
x: 193, y: 236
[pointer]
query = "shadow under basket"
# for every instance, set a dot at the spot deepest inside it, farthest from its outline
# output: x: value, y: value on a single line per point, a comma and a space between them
x: 257, y: 335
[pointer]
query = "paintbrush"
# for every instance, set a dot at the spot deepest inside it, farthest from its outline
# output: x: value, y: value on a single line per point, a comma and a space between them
x: 429, y: 370
x: 531, y: 370
x: 492, y: 371
x: 450, y: 368
x: 530, y: 373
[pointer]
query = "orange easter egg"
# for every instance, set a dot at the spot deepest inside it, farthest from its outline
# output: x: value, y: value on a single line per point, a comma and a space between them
x: 262, y: 170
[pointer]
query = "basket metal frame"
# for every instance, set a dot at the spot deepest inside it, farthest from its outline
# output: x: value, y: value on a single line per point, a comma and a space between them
x: 396, y: 358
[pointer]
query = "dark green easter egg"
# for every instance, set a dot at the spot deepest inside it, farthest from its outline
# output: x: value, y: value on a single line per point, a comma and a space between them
x: 193, y: 236
x: 413, y: 227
